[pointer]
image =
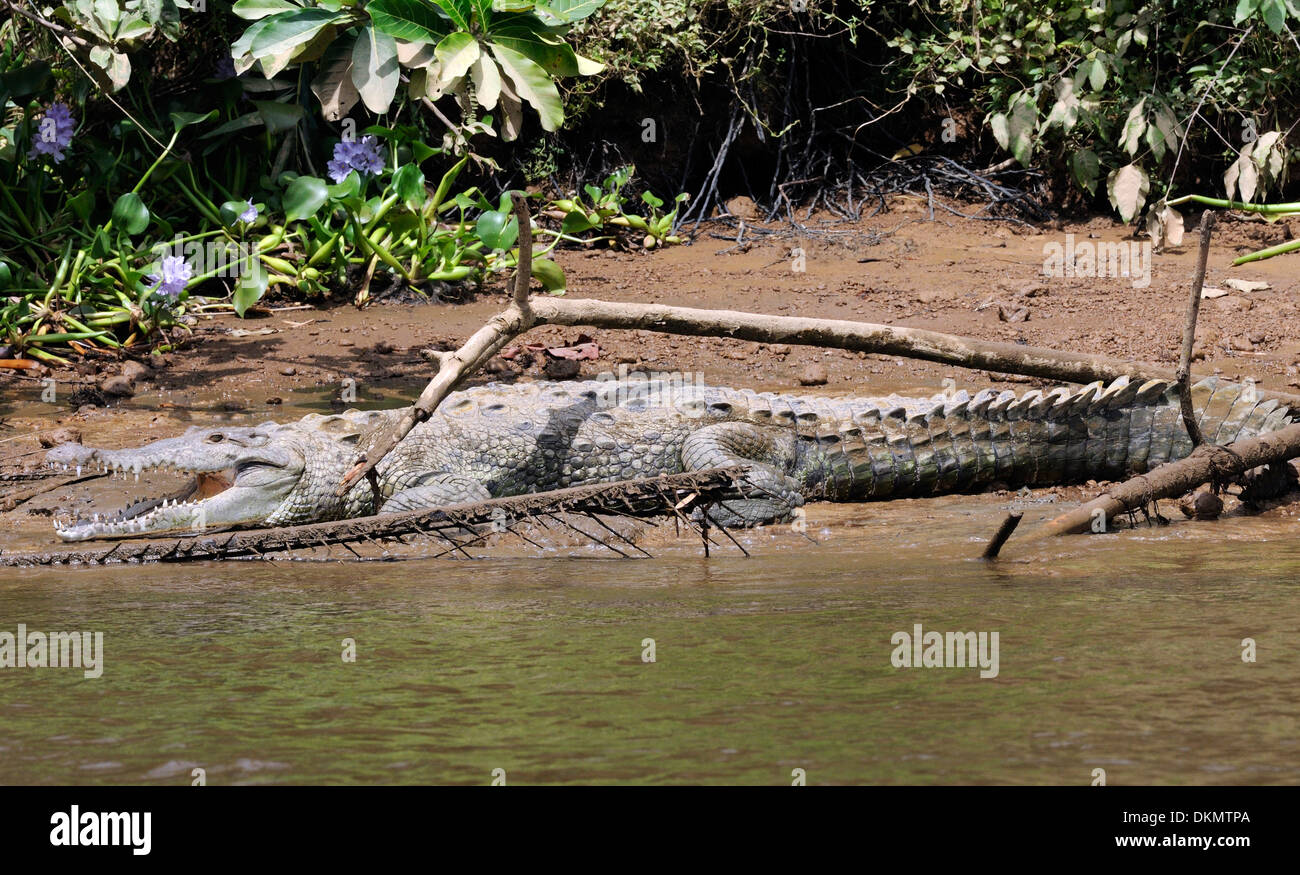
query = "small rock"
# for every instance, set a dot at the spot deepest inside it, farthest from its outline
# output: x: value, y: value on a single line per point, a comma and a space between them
x: 1204, y: 505
x: 276, y: 399
x: 742, y: 208
x: 1241, y: 344
x: 232, y: 406
x: 1231, y: 303
x: 134, y: 371
x: 60, y: 436
x: 561, y: 369
x: 813, y: 375
x: 928, y: 297
x: 1012, y: 314
x: 117, y: 386
x: 779, y: 349
x: 383, y: 347
x: 1257, y: 337
x: 289, y: 371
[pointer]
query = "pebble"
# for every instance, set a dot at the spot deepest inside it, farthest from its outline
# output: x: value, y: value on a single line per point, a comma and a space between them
x: 117, y: 386
x: 813, y: 375
x: 60, y: 436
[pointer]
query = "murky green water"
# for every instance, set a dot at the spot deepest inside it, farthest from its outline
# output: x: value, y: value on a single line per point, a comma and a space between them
x: 1120, y: 652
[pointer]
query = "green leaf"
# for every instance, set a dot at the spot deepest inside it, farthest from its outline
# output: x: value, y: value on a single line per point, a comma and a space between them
x: 252, y: 10
x: 566, y: 11
x: 1127, y: 188
x: 26, y: 81
x: 408, y: 182
x: 533, y: 84
x: 130, y: 214
x: 82, y: 204
x: 375, y: 69
x: 6, y: 277
x: 1245, y: 9
x: 459, y: 11
x: 333, y: 83
x: 278, y: 116
x: 408, y: 20
x: 253, y: 281
x: 497, y: 229
x: 1020, y: 128
x: 185, y: 119
x: 577, y: 221
x: 550, y: 275
x: 285, y: 31
x: 1087, y: 169
x: 304, y: 197
x: 456, y: 53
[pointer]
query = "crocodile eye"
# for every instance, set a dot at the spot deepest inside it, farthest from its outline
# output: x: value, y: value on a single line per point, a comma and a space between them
x: 216, y: 437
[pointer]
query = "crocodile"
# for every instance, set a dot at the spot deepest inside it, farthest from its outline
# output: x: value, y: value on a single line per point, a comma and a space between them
x: 501, y: 440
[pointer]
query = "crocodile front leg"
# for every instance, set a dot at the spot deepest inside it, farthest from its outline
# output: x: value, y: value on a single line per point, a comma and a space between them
x: 437, y: 490
x: 771, y: 494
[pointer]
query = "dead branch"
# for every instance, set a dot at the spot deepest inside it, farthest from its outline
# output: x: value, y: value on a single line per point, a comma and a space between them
x: 1184, y: 372
x: 1000, y: 537
x: 650, y: 497
x: 1207, y: 463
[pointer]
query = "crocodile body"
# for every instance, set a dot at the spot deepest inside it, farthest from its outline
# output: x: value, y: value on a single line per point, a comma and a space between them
x: 497, y: 440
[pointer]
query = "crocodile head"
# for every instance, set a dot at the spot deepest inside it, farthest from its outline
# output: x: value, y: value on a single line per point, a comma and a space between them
x: 264, y: 475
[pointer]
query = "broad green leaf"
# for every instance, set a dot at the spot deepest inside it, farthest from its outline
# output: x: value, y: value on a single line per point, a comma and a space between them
x: 6, y: 276
x: 333, y: 83
x: 1127, y: 188
x: 566, y: 11
x: 486, y: 77
x: 304, y: 197
x: 26, y: 81
x: 278, y: 116
x: 497, y: 229
x: 459, y: 11
x: 1087, y: 169
x: 251, y: 120
x: 1020, y: 128
x: 130, y: 214
x: 285, y: 31
x: 550, y: 275
x: 82, y: 204
x: 253, y: 280
x: 116, y: 66
x: 408, y: 182
x: 1134, y: 126
x: 230, y: 212
x: 375, y: 71
x: 552, y: 55
x: 242, y: 50
x: 456, y: 53
x: 252, y: 10
x: 185, y: 119
x: 409, y: 20
x: 532, y: 84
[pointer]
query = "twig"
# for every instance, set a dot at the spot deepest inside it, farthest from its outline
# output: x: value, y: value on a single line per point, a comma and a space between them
x: 1184, y: 372
x: 1000, y: 537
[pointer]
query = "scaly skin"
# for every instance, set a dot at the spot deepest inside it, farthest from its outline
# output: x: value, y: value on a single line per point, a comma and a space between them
x: 499, y: 440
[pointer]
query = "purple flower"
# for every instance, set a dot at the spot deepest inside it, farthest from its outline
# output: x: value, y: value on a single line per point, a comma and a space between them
x: 53, y: 133
x: 249, y: 214
x: 175, y: 274
x: 363, y: 157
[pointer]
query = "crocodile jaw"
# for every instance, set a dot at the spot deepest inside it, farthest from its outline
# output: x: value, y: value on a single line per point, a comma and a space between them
x: 241, y: 483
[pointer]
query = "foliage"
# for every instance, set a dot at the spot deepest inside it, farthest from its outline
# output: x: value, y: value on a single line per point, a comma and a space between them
x: 1111, y: 87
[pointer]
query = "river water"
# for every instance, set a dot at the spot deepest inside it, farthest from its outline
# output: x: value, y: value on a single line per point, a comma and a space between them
x: 1121, y: 652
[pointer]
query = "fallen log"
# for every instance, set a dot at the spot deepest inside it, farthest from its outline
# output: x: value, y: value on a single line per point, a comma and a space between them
x: 1207, y: 463
x: 672, y: 495
x: 525, y: 313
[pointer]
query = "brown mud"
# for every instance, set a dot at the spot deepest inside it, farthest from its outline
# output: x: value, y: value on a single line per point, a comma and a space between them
x: 982, y: 279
